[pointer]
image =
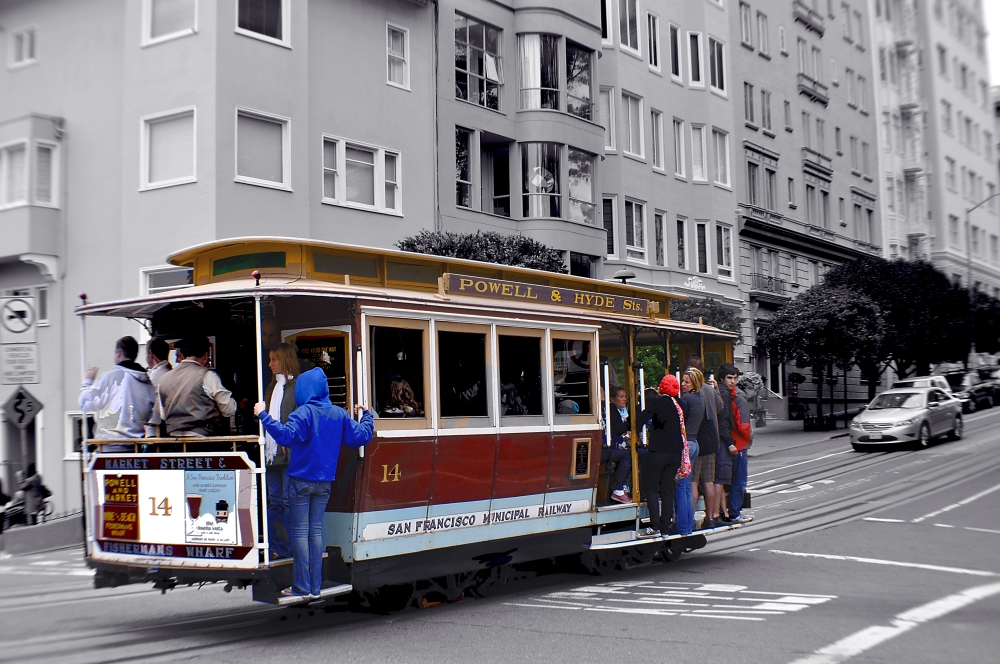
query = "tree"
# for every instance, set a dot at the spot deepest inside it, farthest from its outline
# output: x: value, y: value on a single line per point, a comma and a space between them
x: 825, y: 327
x: 711, y: 311
x: 489, y: 247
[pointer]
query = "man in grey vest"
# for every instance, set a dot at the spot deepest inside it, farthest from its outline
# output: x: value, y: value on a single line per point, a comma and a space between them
x: 191, y: 398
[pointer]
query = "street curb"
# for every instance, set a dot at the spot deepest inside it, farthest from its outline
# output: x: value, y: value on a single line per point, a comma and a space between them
x: 58, y: 534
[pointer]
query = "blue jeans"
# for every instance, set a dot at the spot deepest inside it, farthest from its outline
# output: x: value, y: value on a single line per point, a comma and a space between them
x: 277, y: 510
x: 684, y: 506
x: 739, y: 484
x: 307, y: 502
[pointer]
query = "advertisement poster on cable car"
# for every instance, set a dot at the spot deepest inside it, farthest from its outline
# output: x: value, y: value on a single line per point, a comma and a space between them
x: 182, y: 509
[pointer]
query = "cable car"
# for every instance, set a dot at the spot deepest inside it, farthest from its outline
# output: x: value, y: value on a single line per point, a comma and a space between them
x: 492, y: 459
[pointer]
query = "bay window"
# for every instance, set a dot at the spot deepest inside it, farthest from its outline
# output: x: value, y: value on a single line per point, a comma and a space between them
x: 540, y: 190
x: 478, y: 62
x: 581, y: 187
x: 724, y: 251
x: 579, y: 90
x: 635, y: 236
x: 539, y: 71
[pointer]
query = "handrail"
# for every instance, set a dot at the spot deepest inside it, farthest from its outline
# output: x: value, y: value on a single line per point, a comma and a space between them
x: 181, y: 440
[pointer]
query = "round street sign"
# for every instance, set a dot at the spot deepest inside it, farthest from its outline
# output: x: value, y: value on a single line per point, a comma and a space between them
x: 17, y: 316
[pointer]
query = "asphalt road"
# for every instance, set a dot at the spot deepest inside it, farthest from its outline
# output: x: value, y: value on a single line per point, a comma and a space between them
x: 879, y: 557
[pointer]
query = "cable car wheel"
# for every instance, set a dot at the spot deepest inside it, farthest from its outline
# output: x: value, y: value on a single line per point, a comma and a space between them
x: 671, y: 551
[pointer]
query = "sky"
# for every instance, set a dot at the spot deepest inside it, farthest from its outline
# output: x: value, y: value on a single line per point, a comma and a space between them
x: 992, y: 10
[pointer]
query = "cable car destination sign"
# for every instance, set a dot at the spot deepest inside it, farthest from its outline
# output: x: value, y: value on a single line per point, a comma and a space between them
x: 567, y: 297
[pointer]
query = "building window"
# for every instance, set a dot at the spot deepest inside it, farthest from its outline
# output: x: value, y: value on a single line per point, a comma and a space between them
x: 803, y: 56
x: 765, y: 109
x: 942, y: 61
x: 632, y: 124
x: 580, y: 265
x: 262, y: 149
x: 770, y: 189
x: 836, y: 140
x: 862, y: 94
x: 23, y: 47
x: 607, y: 21
x: 805, y: 130
x: 46, y: 174
x: 724, y: 251
x: 788, y: 116
x: 864, y: 157
x: 953, y: 229
x: 540, y: 190
x: 608, y: 213
x: 854, y: 153
x: 762, y: 42
x: 748, y: 102
x: 168, y: 148
x: 681, y: 243
x: 397, y: 45
x: 463, y: 168
x: 858, y: 225
x: 539, y: 71
x: 653, y: 45
x: 608, y: 117
x: 42, y: 306
x: 821, y: 135
x: 656, y: 124
x: 782, y: 45
x: 950, y: 173
x: 840, y: 211
x: 628, y: 25
x: 720, y: 140
x: 694, y: 59
x: 701, y: 235
x: 364, y: 176
x: 675, y: 52
x: 494, y: 163
x: 14, y: 175
x: 679, y: 148
x: 168, y: 19
x: 791, y: 192
x: 659, y: 229
x: 890, y: 194
x: 717, y: 64
x: 160, y: 279
x: 478, y: 62
x: 635, y: 236
x: 746, y: 25
x: 833, y: 71
x: 698, y: 147
x: 825, y: 208
x: 579, y: 93
x: 850, y: 87
x: 861, y: 29
x: 812, y: 214
x: 753, y: 183
x: 817, y: 64
x: 264, y: 19
x: 581, y: 187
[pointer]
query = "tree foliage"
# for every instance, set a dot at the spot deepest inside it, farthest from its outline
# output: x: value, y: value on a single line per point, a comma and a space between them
x: 711, y: 311
x: 489, y: 247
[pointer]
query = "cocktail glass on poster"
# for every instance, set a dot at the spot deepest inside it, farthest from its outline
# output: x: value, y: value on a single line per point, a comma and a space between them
x: 204, y: 490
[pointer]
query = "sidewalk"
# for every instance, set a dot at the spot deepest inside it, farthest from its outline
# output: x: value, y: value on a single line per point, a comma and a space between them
x: 786, y: 434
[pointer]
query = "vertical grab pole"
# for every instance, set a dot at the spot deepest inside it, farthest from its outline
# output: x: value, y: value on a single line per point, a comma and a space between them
x: 607, y: 405
x: 84, y: 460
x: 262, y: 473
x: 360, y: 365
x: 642, y: 399
x: 630, y: 370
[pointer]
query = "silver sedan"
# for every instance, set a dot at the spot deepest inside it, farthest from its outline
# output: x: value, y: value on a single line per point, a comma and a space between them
x: 907, y: 415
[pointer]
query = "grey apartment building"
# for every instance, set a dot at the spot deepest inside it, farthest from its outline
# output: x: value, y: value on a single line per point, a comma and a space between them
x: 805, y: 160
x: 937, y: 137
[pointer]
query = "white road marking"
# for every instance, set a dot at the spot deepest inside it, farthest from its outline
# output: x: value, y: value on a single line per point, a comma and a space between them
x: 872, y: 518
x: 943, y: 525
x: 895, y: 563
x: 983, y: 530
x: 958, y: 504
x: 820, y: 458
x: 868, y: 638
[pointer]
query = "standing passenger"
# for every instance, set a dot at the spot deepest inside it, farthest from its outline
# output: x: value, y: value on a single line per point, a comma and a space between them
x: 315, y: 431
x: 191, y: 398
x: 666, y: 446
x: 621, y: 437
x: 157, y: 356
x: 279, y: 396
x: 121, y: 399
x: 694, y: 418
x: 739, y: 438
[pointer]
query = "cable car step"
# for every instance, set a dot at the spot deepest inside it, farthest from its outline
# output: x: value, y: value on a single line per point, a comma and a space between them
x: 324, y: 593
x: 628, y: 538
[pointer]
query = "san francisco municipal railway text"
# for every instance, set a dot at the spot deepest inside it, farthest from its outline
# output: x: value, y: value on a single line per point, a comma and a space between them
x: 451, y: 522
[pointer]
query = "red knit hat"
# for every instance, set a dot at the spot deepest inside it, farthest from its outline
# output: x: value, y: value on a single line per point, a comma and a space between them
x: 670, y: 386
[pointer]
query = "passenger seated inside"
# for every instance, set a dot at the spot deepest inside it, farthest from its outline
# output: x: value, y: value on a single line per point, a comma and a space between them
x: 510, y: 401
x: 619, y: 452
x: 191, y: 399
x: 402, y: 402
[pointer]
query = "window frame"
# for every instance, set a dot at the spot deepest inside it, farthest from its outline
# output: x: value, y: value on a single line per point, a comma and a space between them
x: 42, y: 321
x: 660, y: 236
x: 716, y: 134
x: 683, y: 246
x: 429, y: 421
x: 680, y: 158
x: 286, y: 148
x: 641, y: 154
x: 147, y: 38
x: 656, y: 128
x: 24, y: 62
x: 653, y: 46
x: 491, y: 377
x: 698, y: 83
x: 722, y: 74
x: 763, y: 43
x: 609, y: 20
x: 558, y: 419
x: 514, y: 422
x: 379, y: 175
x: 570, y: 199
x: 501, y: 84
x: 389, y: 26
x: 704, y: 154
x: 5, y: 165
x: 721, y: 231
x: 615, y: 231
x: 611, y: 129
x: 699, y: 225
x: 286, y: 28
x: 629, y: 248
x: 674, y: 31
x: 70, y: 431
x: 145, y: 123
x: 622, y: 44
x: 55, y: 175
x: 746, y: 25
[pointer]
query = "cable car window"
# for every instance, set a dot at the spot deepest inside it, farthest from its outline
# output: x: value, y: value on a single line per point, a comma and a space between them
x: 398, y: 372
x: 462, y: 367
x: 520, y: 375
x: 571, y: 370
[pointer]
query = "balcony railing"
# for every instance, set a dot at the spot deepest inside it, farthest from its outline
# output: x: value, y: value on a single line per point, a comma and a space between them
x: 762, y: 283
x: 813, y: 89
x: 809, y: 17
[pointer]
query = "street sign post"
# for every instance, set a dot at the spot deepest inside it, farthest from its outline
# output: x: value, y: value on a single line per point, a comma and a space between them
x: 21, y: 409
x: 17, y: 320
x: 19, y: 364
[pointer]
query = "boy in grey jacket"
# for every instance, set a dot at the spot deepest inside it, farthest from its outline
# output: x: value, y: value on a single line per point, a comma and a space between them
x: 121, y: 399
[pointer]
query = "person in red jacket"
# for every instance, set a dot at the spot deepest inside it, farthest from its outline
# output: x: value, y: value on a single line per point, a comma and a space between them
x: 734, y: 427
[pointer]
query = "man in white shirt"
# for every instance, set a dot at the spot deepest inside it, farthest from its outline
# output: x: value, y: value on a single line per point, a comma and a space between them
x: 191, y: 398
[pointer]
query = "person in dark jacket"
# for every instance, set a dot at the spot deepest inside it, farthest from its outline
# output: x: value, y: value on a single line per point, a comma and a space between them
x: 315, y: 431
x: 31, y: 486
x: 694, y: 417
x: 663, y: 459
x: 280, y: 399
x: 621, y: 437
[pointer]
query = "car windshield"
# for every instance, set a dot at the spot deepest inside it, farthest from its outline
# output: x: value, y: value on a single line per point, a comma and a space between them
x: 898, y: 400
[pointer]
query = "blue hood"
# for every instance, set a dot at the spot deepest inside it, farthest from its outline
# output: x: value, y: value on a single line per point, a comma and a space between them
x: 312, y: 387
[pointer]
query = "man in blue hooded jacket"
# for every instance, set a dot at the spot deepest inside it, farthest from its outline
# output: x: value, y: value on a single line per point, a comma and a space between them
x: 314, y: 432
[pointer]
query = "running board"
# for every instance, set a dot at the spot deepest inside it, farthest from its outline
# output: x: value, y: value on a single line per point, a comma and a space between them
x: 625, y: 538
x: 323, y: 594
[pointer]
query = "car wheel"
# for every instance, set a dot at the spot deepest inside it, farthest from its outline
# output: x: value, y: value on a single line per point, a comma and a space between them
x: 924, y: 438
x: 971, y: 406
x: 989, y: 401
x: 956, y: 428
